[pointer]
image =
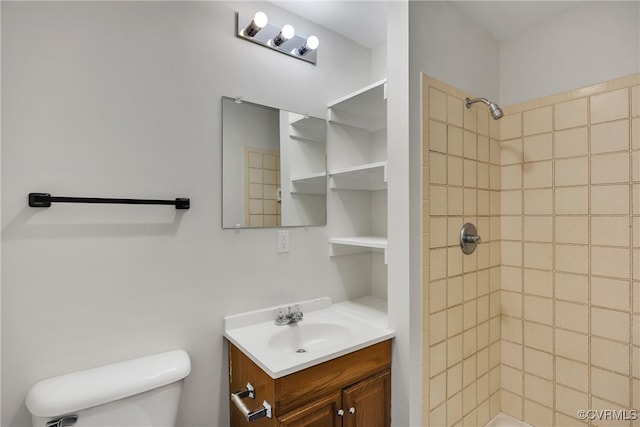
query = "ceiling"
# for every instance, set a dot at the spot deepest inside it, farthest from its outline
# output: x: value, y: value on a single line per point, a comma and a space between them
x: 501, y: 19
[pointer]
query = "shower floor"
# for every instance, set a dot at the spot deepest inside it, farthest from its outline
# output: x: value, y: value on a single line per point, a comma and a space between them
x: 504, y: 420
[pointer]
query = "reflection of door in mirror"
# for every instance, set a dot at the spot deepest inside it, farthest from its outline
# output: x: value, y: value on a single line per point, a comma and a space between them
x: 261, y: 187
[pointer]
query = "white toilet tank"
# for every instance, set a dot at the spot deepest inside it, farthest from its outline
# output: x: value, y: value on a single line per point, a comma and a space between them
x: 139, y: 392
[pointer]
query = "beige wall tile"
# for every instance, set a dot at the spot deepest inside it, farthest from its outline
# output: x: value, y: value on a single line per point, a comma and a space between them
x: 538, y: 309
x: 437, y: 295
x: 454, y: 321
x: 511, y: 126
x: 454, y: 350
x: 572, y: 374
x: 570, y: 316
x: 611, y: 262
x: 511, y: 177
x: 610, y: 324
x: 610, y: 199
x: 610, y: 293
x: 538, y: 363
x: 482, y: 122
x: 539, y: 337
x: 538, y: 147
x: 438, y: 416
x: 610, y: 168
x: 470, y: 173
x: 511, y: 202
x: 511, y: 304
x: 454, y: 140
x: 437, y: 232
x: 538, y: 121
x: 536, y: 414
x: 571, y: 143
x: 470, y: 145
x: 470, y: 119
x: 511, y: 354
x: 510, y: 329
x: 537, y: 282
x: 511, y: 253
x: 610, y: 355
x: 494, y: 177
x: 565, y: 421
x: 470, y: 202
x: 610, y: 386
x: 571, y: 114
x: 572, y: 345
x: 572, y: 201
x: 454, y: 410
x: 437, y: 264
x: 494, y: 151
x: 609, y: 137
x: 511, y: 227
x: 538, y: 202
x: 610, y: 230
x: 538, y: 174
x: 455, y: 199
x: 538, y: 229
x: 574, y: 171
x: 570, y: 401
x: 437, y: 105
x: 438, y: 389
x: 511, y: 278
x: 483, y: 149
x: 438, y: 200
x: 571, y: 259
x: 437, y: 136
x: 511, y: 152
x: 538, y: 255
x: 454, y: 110
x: 511, y: 379
x: 572, y: 287
x: 438, y: 327
x: 454, y: 380
x: 572, y: 229
x: 438, y: 168
x: 610, y: 106
x: 483, y: 175
x: 437, y: 358
x: 538, y: 390
x: 454, y: 261
x: 635, y: 103
x: 511, y: 404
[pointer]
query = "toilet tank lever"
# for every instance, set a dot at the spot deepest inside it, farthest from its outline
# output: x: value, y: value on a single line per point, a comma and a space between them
x: 67, y: 420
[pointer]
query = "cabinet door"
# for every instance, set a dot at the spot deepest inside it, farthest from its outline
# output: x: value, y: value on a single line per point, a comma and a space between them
x: 368, y: 403
x: 322, y: 413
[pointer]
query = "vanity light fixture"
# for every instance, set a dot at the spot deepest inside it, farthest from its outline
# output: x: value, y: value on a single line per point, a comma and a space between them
x: 259, y: 21
x: 282, y: 38
x: 310, y: 44
x: 285, y: 34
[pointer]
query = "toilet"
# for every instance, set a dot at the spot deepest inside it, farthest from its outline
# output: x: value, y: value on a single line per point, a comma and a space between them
x: 138, y: 392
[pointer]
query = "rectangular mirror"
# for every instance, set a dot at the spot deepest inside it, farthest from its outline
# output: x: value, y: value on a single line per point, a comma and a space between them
x: 274, y: 167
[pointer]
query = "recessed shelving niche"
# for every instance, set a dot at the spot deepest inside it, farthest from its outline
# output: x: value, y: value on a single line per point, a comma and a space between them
x: 357, y: 165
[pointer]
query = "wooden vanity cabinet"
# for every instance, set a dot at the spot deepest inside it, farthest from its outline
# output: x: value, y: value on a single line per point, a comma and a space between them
x: 353, y: 390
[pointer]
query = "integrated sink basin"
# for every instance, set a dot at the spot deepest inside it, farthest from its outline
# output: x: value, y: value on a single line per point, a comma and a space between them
x: 309, y: 337
x: 326, y: 331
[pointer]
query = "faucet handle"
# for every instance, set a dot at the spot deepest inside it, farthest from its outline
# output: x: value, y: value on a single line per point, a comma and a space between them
x: 297, y: 314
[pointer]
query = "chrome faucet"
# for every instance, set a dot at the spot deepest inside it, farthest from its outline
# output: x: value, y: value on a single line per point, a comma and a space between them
x: 292, y: 315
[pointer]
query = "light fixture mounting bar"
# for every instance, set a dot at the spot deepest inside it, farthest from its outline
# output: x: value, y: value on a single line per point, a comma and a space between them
x: 270, y: 31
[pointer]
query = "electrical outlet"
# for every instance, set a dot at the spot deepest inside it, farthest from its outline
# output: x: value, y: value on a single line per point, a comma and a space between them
x: 283, y: 241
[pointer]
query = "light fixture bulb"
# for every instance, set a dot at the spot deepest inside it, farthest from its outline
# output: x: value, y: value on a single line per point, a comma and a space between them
x: 287, y: 31
x: 260, y: 19
x: 311, y: 44
x: 259, y: 22
x: 285, y: 34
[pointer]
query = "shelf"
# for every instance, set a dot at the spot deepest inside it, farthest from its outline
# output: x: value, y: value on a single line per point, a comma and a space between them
x: 309, y: 184
x: 350, y: 245
x: 364, y: 109
x: 371, y: 177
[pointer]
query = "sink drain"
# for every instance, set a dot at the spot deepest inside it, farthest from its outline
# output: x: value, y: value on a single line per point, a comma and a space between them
x: 301, y: 350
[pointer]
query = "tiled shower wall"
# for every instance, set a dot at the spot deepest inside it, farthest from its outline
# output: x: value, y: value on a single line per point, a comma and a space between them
x: 461, y: 306
x: 570, y: 205
x: 555, y: 189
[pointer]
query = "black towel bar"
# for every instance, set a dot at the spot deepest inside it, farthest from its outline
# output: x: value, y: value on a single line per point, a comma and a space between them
x: 44, y: 200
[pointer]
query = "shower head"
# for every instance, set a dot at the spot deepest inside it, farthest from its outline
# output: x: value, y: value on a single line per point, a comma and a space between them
x: 496, y: 111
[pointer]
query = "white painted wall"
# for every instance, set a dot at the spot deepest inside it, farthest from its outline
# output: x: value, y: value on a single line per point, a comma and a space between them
x: 585, y: 45
x: 123, y: 99
x: 447, y: 45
